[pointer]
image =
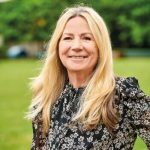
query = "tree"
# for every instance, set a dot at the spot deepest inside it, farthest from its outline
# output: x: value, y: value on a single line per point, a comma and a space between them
x: 34, y: 20
x: 128, y: 21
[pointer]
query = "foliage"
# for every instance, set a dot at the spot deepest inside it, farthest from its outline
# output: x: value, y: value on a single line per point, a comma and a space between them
x: 34, y: 20
x: 3, y: 51
x: 128, y: 22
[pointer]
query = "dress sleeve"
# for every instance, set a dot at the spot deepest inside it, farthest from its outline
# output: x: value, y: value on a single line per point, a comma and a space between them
x: 39, y: 139
x: 138, y: 108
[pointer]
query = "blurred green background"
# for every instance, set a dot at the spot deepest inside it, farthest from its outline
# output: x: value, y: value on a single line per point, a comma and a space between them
x: 30, y: 24
x: 27, y: 22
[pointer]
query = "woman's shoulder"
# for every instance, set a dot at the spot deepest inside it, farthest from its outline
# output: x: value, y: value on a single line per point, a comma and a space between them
x: 128, y: 87
x: 130, y: 96
x: 127, y: 81
x: 37, y: 118
x: 132, y: 103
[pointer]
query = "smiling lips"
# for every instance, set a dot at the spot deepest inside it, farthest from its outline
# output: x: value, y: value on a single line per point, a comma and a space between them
x: 78, y: 57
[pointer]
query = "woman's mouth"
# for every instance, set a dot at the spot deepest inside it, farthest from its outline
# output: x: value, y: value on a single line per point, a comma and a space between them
x: 78, y: 57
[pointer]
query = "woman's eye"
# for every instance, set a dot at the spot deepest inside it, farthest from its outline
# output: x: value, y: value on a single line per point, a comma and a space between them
x: 87, y: 38
x: 67, y: 38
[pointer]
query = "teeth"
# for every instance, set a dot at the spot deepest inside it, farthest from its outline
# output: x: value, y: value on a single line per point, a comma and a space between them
x: 77, y: 56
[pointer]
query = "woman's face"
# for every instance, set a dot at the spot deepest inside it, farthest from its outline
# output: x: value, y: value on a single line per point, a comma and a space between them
x: 78, y: 51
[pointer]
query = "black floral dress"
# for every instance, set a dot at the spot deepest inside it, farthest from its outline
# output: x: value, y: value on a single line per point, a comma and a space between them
x: 134, y: 109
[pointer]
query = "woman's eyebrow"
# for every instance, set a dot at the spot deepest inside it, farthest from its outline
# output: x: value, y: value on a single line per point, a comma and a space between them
x: 67, y: 33
x: 85, y: 33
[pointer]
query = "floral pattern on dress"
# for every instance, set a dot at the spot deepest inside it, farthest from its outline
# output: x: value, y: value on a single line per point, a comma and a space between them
x: 134, y: 109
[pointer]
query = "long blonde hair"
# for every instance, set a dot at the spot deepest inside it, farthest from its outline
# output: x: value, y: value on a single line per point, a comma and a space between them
x: 97, y: 99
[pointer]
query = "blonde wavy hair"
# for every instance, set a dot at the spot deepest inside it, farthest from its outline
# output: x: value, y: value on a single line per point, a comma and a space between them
x: 96, y: 103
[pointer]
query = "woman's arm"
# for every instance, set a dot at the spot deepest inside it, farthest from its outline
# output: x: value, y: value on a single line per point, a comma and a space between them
x: 39, y: 140
x: 138, y: 111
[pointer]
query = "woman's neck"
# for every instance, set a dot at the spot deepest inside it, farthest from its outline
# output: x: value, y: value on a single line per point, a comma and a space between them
x: 78, y: 79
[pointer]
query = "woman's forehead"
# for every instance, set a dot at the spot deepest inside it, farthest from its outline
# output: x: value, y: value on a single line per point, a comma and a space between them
x: 77, y: 24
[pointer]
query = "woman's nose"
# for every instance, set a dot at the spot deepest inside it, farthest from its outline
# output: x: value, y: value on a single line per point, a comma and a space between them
x: 77, y: 44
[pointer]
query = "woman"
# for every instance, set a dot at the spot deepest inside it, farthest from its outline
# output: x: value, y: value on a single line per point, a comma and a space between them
x: 78, y: 103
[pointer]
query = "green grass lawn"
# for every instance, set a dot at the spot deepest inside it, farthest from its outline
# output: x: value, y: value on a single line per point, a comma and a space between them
x: 15, y: 131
